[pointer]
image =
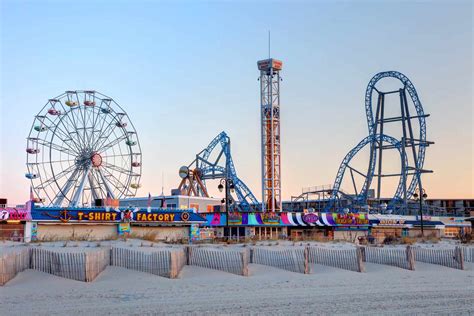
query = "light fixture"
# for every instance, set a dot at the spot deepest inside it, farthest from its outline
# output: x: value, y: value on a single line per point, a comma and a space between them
x: 220, y: 187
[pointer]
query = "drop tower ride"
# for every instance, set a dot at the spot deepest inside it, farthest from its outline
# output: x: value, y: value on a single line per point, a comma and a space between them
x: 270, y: 133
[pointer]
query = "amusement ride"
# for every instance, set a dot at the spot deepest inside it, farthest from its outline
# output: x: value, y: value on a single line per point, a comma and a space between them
x: 82, y: 147
x: 411, y: 148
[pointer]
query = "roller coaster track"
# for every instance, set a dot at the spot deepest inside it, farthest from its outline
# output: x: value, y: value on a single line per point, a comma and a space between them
x: 222, y: 167
x: 376, y: 138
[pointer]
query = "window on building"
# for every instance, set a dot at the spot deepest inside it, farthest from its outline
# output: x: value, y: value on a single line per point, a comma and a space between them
x: 451, y: 231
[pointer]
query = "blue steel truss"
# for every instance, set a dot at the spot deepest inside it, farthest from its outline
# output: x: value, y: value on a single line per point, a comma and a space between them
x: 377, y: 139
x: 217, y: 169
x: 360, y: 197
x: 408, y: 85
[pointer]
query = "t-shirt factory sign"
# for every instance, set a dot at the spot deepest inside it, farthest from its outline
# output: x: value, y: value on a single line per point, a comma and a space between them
x: 115, y: 215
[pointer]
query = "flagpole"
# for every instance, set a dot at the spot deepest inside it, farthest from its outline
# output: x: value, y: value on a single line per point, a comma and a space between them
x: 162, y: 183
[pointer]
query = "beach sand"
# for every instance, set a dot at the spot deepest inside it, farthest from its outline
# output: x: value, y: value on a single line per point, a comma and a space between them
x: 431, y: 289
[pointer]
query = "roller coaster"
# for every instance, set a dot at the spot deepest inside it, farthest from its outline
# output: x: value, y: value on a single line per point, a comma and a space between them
x: 411, y: 149
x: 411, y: 164
x: 204, y: 168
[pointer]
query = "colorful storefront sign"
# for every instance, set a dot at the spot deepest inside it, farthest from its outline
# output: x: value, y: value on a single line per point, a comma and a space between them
x: 404, y: 221
x: 350, y: 219
x: 15, y: 214
x: 287, y: 219
x: 310, y: 218
x: 235, y: 218
x: 194, y: 233
x: 123, y: 228
x: 270, y: 218
x: 34, y: 231
x: 116, y: 215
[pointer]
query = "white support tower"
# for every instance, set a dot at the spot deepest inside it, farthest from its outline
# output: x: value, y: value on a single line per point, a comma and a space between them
x: 270, y: 129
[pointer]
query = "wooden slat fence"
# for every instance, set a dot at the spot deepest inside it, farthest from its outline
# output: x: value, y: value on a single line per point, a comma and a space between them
x: 468, y: 254
x: 12, y: 263
x: 80, y: 266
x: 402, y: 258
x: 96, y: 262
x: 70, y: 265
x: 348, y: 259
x: 288, y: 259
x: 231, y: 261
x: 156, y: 262
x: 452, y: 258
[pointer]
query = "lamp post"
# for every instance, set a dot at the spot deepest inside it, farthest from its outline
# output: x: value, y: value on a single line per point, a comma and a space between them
x: 420, y: 194
x: 228, y: 185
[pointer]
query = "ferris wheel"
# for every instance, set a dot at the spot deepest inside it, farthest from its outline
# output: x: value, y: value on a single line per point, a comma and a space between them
x: 82, y: 146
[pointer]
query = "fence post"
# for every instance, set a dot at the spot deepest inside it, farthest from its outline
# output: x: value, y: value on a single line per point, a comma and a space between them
x: 88, y: 266
x: 188, y: 255
x: 410, y: 258
x: 173, y: 265
x: 251, y: 250
x: 3, y: 273
x: 459, y: 255
x: 364, y: 258
x: 245, y: 267
x: 360, y: 259
x: 307, y: 266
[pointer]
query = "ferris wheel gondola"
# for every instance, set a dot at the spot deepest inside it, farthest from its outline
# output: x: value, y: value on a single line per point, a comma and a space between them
x: 82, y: 146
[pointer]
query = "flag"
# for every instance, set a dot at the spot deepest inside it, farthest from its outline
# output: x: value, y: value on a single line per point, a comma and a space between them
x: 164, y: 203
x: 108, y: 200
x: 148, y: 206
x: 149, y: 200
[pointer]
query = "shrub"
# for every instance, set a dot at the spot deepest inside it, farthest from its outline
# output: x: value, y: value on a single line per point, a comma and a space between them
x: 111, y: 237
x: 150, y: 236
x: 408, y: 240
x: 388, y: 240
x: 465, y: 238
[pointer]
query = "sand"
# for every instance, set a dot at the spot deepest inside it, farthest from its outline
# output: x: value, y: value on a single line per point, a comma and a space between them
x: 382, y: 289
x: 431, y: 289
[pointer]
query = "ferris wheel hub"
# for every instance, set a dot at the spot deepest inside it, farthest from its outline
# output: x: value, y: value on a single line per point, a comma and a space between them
x: 96, y: 159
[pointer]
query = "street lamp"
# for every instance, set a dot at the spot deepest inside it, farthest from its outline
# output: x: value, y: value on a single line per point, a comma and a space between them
x: 228, y: 185
x: 420, y: 194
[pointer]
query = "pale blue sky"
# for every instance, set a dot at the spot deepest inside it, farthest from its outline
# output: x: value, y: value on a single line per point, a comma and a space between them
x: 185, y: 71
